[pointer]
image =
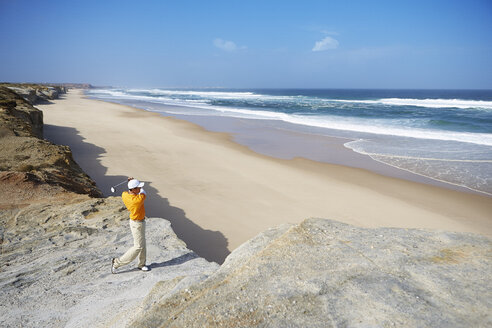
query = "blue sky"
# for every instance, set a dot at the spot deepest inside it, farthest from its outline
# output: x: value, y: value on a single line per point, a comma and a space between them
x: 247, y: 44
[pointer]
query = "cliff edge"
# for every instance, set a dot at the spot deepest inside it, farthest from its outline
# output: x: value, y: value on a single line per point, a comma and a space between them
x: 323, y: 273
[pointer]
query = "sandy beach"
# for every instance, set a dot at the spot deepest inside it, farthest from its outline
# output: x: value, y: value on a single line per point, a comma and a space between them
x: 218, y: 194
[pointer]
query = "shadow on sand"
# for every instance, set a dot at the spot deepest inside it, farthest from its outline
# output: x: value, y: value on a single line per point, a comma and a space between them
x: 211, y: 245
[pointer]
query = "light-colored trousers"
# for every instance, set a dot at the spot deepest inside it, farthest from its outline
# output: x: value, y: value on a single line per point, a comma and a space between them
x: 138, y: 249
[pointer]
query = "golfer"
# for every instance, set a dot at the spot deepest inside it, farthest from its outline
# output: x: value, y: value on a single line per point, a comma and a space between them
x: 134, y: 201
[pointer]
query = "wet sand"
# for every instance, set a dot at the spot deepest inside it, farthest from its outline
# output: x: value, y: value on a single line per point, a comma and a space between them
x: 218, y: 194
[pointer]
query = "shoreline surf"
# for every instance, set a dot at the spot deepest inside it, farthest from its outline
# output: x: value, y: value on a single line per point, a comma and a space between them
x: 359, y: 159
x: 443, y: 135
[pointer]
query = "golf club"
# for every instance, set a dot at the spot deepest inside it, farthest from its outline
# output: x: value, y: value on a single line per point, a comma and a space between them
x: 112, y: 188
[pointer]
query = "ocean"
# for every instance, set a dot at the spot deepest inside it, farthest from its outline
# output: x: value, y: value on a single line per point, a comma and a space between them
x: 445, y: 135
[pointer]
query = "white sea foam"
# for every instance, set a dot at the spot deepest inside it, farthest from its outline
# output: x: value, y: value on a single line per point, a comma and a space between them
x: 205, y: 94
x: 116, y: 94
x: 358, y: 125
x: 430, y: 103
x: 470, y: 168
x: 226, y: 95
x: 108, y: 92
x: 314, y: 101
x: 383, y: 127
x: 355, y: 146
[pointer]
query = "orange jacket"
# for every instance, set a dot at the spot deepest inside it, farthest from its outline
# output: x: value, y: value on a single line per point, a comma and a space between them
x: 134, y: 204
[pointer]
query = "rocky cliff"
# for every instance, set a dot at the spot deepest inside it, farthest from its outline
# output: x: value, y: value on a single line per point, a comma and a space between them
x: 26, y: 160
x: 18, y: 116
x: 57, y: 241
x: 36, y: 93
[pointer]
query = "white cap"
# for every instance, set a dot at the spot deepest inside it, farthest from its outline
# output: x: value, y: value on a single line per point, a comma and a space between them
x: 134, y: 183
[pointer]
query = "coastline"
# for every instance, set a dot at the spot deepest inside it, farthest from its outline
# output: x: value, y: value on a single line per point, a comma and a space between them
x: 218, y: 194
x: 268, y: 138
x: 285, y: 140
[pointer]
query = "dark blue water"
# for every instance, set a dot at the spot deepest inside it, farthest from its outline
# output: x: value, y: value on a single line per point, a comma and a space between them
x: 442, y: 134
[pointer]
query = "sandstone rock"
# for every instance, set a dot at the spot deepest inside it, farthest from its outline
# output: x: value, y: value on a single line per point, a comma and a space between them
x: 19, y: 116
x: 66, y: 86
x: 52, y: 164
x: 36, y: 93
x: 56, y: 260
x: 27, y: 93
x: 322, y: 273
x: 47, y: 93
x: 23, y: 150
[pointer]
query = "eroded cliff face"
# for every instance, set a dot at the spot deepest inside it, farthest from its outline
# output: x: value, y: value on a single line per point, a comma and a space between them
x: 18, y: 117
x: 27, y: 158
x: 36, y: 93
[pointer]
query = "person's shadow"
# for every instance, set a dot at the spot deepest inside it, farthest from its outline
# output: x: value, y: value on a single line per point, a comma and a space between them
x: 211, y: 245
x: 175, y: 261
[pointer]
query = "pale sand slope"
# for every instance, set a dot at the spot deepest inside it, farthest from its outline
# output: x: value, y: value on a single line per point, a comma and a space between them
x: 218, y: 194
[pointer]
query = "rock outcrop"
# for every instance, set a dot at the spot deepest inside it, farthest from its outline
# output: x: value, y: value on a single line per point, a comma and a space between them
x: 17, y: 116
x: 56, y: 261
x: 27, y: 158
x: 323, y: 273
x: 36, y: 93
